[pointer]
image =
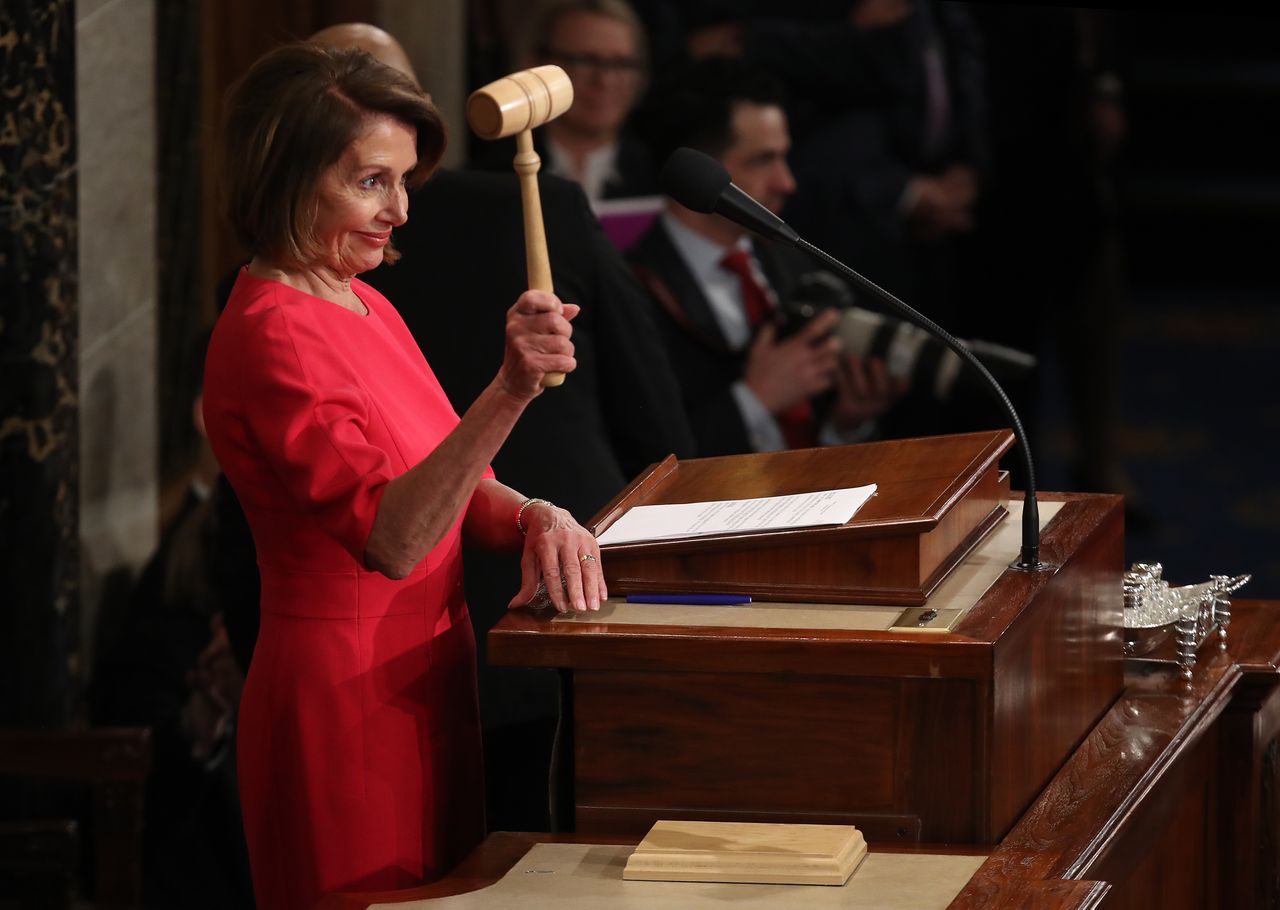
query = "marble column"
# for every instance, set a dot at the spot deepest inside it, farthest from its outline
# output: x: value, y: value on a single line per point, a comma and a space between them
x: 116, y: 129
x: 39, y: 480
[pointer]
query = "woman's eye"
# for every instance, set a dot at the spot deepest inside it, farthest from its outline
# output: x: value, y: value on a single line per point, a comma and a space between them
x: 369, y: 183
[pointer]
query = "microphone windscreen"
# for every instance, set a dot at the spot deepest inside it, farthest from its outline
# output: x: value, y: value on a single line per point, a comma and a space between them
x: 693, y: 179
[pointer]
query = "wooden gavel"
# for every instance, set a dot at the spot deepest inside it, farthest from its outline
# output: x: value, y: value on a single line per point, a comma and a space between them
x: 514, y: 105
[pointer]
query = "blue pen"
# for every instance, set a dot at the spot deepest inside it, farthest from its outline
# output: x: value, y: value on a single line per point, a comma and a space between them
x: 709, y: 600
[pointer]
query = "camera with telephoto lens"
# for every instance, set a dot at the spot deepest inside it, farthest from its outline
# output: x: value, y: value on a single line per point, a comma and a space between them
x: 907, y: 350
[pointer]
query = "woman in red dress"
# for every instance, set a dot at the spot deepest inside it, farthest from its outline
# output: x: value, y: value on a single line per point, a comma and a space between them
x: 359, y: 734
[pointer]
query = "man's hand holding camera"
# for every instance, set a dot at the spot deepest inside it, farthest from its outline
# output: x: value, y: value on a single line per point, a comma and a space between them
x: 782, y: 374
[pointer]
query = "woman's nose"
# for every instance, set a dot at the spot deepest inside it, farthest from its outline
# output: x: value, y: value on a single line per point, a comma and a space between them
x: 398, y: 207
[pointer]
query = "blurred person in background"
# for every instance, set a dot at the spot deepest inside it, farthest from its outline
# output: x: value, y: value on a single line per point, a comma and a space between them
x: 720, y: 292
x: 601, y: 45
x: 170, y: 666
x: 889, y: 104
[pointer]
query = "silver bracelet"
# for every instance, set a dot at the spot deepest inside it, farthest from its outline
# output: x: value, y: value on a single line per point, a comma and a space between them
x: 532, y: 500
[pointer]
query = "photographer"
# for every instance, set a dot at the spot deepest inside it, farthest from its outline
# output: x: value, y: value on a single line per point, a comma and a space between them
x: 761, y: 368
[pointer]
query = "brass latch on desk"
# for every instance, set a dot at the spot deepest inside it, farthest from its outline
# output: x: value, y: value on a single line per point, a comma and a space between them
x: 926, y: 619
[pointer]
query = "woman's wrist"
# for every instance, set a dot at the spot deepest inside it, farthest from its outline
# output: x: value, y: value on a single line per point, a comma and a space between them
x: 522, y: 513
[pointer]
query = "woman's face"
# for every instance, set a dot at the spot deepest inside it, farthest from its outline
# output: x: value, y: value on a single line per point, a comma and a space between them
x: 363, y: 196
x: 601, y: 57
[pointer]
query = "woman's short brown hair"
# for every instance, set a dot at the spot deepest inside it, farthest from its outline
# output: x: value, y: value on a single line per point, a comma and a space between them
x: 290, y: 118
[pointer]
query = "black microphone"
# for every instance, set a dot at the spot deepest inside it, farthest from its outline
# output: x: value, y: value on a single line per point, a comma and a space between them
x: 699, y: 182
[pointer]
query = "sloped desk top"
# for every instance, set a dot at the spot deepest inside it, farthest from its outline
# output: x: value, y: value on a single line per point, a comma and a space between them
x: 936, y: 497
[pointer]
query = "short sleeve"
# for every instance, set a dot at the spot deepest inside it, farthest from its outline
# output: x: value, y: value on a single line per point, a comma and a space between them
x: 311, y: 424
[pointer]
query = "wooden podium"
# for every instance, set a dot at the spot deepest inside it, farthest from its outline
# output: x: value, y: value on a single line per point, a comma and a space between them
x: 911, y: 736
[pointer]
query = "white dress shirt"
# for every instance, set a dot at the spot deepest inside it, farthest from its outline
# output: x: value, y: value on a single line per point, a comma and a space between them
x: 723, y: 290
x: 598, y: 168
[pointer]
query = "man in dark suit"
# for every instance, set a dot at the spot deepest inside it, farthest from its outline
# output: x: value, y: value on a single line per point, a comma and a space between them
x: 719, y: 292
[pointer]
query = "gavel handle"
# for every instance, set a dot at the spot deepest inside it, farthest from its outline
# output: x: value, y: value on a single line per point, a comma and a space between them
x: 538, y: 263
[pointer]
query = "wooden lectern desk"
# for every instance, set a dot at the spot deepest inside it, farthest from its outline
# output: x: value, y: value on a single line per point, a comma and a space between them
x: 1171, y: 801
x: 913, y: 736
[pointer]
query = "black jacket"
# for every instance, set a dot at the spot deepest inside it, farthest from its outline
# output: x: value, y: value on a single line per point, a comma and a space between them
x: 705, y: 365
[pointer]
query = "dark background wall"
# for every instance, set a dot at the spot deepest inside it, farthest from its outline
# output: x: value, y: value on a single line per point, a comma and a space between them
x: 1199, y: 389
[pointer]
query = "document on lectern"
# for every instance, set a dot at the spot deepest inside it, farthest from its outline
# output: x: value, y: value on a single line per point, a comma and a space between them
x: 823, y: 508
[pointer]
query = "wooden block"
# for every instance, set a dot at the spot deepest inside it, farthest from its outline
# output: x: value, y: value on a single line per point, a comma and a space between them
x: 766, y: 854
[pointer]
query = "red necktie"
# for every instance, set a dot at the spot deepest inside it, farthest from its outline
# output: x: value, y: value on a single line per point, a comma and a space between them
x: 755, y: 299
x: 797, y: 422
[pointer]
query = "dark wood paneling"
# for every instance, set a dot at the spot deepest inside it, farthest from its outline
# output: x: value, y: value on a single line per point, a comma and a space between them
x: 1021, y: 894
x: 1058, y: 668
x: 115, y: 764
x: 752, y: 741
x: 1249, y: 746
x: 1072, y: 823
x: 1266, y: 842
x: 1152, y: 802
x: 1166, y: 853
x: 940, y: 758
x: 880, y: 753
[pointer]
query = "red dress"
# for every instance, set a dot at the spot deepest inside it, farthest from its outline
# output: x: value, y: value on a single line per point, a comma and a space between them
x: 359, y: 736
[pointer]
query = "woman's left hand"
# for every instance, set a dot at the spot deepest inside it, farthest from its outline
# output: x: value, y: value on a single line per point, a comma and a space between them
x: 564, y: 555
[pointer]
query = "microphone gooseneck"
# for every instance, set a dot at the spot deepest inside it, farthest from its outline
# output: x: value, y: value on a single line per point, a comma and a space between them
x: 1030, y: 556
x: 699, y: 182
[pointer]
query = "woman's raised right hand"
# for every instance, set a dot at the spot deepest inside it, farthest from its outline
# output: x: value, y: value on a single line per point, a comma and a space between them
x: 538, y: 343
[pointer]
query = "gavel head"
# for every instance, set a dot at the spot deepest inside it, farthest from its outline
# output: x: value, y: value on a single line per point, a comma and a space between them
x: 519, y: 102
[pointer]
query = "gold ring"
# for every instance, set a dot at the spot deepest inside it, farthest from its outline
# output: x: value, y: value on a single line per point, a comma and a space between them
x: 587, y: 557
